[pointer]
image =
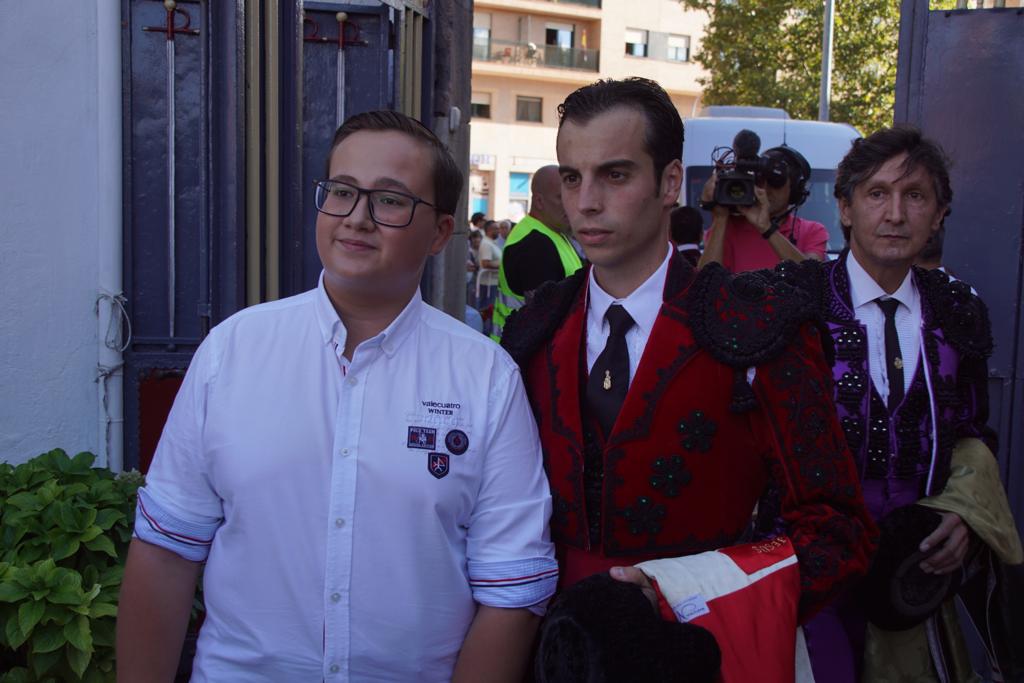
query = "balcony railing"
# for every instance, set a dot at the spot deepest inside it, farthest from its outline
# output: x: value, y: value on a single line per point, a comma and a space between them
x: 588, y: 3
x: 531, y: 54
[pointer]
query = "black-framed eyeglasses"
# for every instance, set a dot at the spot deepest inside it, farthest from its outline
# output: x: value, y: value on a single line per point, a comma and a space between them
x: 387, y: 207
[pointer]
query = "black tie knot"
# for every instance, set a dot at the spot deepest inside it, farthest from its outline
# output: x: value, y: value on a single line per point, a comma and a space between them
x: 888, y: 307
x: 619, y: 320
x: 893, y: 355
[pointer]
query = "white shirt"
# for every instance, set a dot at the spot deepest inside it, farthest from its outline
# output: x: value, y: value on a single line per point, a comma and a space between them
x: 349, y: 541
x: 642, y: 304
x: 863, y: 292
x: 488, y: 251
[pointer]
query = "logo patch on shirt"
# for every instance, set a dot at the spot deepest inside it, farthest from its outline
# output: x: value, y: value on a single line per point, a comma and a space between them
x: 691, y: 608
x: 437, y: 464
x: 456, y: 441
x: 422, y: 437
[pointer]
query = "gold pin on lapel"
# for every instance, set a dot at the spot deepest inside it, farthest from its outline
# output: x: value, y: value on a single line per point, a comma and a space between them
x: 607, y: 384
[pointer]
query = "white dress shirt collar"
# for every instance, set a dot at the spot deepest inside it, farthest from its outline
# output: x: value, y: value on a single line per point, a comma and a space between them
x: 333, y: 329
x: 863, y: 293
x: 864, y: 289
x: 642, y: 304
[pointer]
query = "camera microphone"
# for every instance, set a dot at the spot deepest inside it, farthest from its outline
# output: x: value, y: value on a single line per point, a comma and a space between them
x: 746, y: 144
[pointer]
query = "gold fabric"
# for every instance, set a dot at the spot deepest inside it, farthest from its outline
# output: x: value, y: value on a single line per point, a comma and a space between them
x: 905, y: 656
x: 975, y: 492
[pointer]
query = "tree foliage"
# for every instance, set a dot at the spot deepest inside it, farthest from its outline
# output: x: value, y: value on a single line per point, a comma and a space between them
x: 768, y: 53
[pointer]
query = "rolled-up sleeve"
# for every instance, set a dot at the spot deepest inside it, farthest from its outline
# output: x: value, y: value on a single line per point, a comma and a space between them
x: 510, y: 556
x: 178, y: 509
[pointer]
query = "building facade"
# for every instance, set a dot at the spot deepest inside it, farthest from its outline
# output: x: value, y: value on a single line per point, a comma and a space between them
x: 528, y: 55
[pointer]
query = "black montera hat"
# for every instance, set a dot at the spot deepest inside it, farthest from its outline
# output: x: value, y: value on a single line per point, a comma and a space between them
x: 605, y: 631
x: 897, y: 593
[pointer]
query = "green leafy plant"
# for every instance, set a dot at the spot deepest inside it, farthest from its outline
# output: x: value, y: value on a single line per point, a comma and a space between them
x: 64, y: 533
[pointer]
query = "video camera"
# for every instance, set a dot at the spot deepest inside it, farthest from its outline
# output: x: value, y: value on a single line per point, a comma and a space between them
x: 740, y: 169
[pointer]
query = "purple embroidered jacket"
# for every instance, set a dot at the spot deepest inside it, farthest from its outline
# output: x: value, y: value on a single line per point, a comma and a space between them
x: 895, y: 453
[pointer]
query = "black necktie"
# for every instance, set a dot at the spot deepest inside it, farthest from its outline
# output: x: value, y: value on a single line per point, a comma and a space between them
x: 609, y: 378
x: 893, y: 355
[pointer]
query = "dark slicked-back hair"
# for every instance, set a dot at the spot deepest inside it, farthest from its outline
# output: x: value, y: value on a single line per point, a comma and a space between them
x: 869, y: 154
x: 446, y: 174
x: 664, y: 135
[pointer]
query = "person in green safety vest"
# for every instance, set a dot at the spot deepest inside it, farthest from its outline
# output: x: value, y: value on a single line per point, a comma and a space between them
x: 537, y: 250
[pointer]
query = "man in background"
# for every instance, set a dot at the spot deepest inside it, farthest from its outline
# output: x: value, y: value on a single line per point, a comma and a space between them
x: 476, y: 221
x: 489, y: 257
x: 759, y: 236
x: 686, y: 225
x: 504, y: 228
x: 538, y: 249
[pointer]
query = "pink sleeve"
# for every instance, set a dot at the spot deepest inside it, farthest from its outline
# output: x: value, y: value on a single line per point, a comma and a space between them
x: 813, y: 239
x: 727, y: 258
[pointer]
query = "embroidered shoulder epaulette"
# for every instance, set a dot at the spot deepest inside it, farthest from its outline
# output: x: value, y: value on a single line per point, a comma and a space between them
x: 809, y: 276
x: 527, y: 328
x: 959, y: 312
x: 747, y: 319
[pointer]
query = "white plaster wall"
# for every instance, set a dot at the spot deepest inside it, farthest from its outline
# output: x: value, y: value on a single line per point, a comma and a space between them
x: 50, y: 193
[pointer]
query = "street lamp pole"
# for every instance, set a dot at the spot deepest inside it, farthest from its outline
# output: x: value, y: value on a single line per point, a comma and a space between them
x: 826, y: 62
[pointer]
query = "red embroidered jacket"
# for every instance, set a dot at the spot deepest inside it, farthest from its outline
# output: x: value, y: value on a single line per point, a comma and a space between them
x: 696, y: 450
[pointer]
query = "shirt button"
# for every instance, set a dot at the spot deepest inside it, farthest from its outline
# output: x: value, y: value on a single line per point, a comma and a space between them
x: 352, y: 381
x: 344, y: 452
x: 335, y: 668
x: 339, y: 522
x: 335, y: 597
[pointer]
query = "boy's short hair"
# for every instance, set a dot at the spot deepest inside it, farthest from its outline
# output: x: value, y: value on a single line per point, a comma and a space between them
x: 446, y: 174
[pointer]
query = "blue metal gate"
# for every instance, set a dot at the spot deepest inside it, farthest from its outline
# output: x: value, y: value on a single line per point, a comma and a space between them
x: 229, y: 109
x: 960, y: 78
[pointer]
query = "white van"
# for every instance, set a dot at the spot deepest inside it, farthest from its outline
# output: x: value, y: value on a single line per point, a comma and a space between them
x: 823, y: 144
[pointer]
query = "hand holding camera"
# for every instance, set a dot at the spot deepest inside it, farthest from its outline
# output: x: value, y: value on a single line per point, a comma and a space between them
x: 758, y: 213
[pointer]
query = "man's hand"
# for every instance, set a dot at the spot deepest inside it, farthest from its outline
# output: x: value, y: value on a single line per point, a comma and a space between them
x: 634, y: 575
x: 757, y: 214
x: 707, y: 195
x: 953, y: 536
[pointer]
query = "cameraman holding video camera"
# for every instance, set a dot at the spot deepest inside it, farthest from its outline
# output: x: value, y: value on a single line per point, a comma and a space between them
x: 753, y: 200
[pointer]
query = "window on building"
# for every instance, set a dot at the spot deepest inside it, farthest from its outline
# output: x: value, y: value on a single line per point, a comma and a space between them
x: 480, y: 105
x: 481, y: 35
x: 636, y: 42
x: 559, y: 35
x: 528, y: 108
x: 518, y: 194
x: 678, y: 48
x: 559, y: 40
x: 519, y: 185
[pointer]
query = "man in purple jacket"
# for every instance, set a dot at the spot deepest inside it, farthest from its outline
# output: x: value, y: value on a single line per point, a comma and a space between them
x: 911, y: 349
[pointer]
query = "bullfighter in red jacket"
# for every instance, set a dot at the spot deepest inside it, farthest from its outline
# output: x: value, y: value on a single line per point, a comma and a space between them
x: 680, y: 412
